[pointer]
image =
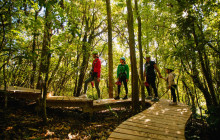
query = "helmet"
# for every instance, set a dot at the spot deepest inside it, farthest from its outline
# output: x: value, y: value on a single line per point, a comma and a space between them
x: 170, y: 67
x: 122, y: 58
x: 95, y: 52
x: 147, y: 56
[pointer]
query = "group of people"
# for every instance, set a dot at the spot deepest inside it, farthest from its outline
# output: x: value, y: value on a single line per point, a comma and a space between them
x: 123, y: 77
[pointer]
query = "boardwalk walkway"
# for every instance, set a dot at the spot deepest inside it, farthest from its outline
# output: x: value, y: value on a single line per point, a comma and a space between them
x: 87, y: 105
x: 160, y: 121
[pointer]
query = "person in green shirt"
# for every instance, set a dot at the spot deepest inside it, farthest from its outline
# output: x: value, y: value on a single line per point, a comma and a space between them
x: 123, y: 76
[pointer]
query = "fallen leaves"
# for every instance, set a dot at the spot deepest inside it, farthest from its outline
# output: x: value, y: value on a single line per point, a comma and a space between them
x: 62, y: 124
x: 49, y: 133
x: 78, y: 137
x: 33, y: 129
x: 73, y: 137
x: 8, y: 128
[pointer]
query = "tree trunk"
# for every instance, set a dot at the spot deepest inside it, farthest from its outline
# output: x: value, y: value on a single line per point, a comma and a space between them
x: 55, y: 69
x: 5, y: 87
x: 134, y: 74
x: 83, y: 66
x: 205, y: 67
x: 45, y: 58
x: 110, y: 57
x: 141, y: 54
x: 33, y: 50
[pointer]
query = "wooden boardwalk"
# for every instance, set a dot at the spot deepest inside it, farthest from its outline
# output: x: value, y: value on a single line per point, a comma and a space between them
x: 160, y: 121
x: 87, y: 105
x: 23, y: 93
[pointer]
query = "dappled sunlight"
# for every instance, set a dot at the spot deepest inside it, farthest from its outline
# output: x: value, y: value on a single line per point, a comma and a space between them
x: 147, y: 120
x: 159, y: 121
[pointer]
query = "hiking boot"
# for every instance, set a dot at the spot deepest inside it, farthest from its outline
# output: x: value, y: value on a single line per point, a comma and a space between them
x: 155, y: 99
x: 117, y: 98
x: 149, y: 98
x: 126, y: 97
x: 173, y: 103
x: 83, y: 96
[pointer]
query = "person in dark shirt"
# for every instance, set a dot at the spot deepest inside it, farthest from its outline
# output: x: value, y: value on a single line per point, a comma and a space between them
x: 149, y: 73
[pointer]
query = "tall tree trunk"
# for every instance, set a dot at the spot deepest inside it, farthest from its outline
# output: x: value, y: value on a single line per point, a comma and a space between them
x: 76, y: 80
x: 110, y: 57
x: 45, y: 58
x: 5, y: 87
x: 55, y: 69
x: 134, y: 74
x: 205, y: 67
x: 33, y: 50
x: 141, y: 54
x: 83, y: 66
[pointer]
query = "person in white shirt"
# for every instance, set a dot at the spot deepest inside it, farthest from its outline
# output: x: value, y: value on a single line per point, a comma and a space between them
x: 171, y: 83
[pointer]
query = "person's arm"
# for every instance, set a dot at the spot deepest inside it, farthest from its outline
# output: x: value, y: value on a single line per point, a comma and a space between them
x: 98, y: 69
x: 118, y: 72
x: 164, y: 78
x: 127, y: 70
x: 158, y: 71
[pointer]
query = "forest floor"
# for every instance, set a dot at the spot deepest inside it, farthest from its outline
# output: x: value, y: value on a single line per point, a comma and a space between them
x: 20, y: 121
x: 201, y: 129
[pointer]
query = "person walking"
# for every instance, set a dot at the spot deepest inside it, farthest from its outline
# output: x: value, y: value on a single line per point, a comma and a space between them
x: 123, y: 77
x: 171, y: 83
x: 149, y: 73
x: 94, y: 74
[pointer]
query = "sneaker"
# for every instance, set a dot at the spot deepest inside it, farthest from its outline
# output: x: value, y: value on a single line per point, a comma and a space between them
x: 117, y: 98
x: 149, y: 98
x: 155, y: 99
x: 126, y: 97
x: 83, y: 96
x: 173, y: 103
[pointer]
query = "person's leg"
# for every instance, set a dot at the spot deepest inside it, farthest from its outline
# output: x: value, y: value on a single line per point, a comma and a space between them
x: 97, y: 87
x: 86, y: 83
x: 173, y: 93
x: 153, y: 84
x: 148, y: 87
x: 119, y: 90
x: 126, y: 88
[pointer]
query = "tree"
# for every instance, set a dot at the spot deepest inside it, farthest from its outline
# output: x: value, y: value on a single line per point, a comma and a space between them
x: 110, y: 56
x: 45, y: 57
x: 134, y: 73
x: 141, y: 54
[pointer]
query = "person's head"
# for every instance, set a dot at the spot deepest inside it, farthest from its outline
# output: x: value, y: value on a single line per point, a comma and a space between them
x: 169, y: 69
x: 147, y: 58
x: 122, y: 60
x: 95, y: 54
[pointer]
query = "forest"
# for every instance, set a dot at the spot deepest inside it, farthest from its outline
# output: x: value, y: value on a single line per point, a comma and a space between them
x: 48, y: 45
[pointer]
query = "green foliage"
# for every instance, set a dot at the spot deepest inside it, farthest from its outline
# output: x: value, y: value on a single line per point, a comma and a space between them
x: 180, y: 33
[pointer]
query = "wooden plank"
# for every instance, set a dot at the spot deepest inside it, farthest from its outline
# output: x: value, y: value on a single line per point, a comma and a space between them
x: 172, y: 130
x: 150, y: 130
x: 165, y: 117
x: 125, y: 136
x: 162, y: 125
x: 144, y: 134
x: 159, y: 120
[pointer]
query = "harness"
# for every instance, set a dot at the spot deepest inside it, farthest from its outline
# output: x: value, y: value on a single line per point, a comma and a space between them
x: 122, y: 73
